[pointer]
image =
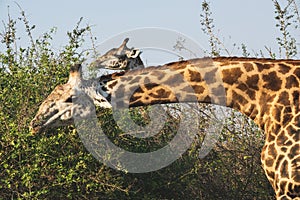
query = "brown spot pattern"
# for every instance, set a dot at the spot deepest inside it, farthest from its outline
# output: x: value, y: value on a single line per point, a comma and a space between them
x: 231, y: 76
x: 272, y: 81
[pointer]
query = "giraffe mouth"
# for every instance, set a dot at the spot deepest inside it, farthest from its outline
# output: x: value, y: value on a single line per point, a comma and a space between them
x: 58, y: 118
x: 116, y: 67
x: 62, y: 113
x: 34, y: 128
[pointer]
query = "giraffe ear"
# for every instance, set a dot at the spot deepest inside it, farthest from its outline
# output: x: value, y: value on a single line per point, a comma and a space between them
x: 133, y: 53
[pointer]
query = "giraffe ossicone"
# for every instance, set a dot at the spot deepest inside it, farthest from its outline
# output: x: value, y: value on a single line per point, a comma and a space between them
x: 265, y: 90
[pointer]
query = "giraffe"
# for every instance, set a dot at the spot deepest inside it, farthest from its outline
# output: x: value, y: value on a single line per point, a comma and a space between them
x: 265, y: 90
x: 121, y: 58
x: 62, y: 97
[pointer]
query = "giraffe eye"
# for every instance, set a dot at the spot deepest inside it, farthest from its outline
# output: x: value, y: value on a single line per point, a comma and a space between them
x: 69, y: 100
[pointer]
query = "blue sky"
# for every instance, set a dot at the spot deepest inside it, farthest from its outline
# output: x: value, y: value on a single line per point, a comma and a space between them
x: 237, y: 21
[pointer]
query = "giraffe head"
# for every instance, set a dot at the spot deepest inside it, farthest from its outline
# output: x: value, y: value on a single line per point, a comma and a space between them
x: 76, y: 98
x: 121, y: 58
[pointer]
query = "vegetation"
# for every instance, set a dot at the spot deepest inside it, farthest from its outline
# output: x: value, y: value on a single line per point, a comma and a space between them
x: 56, y: 165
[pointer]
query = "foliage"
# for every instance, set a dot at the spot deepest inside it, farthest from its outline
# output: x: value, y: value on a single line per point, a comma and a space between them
x: 284, y: 18
x: 287, y: 21
x: 206, y: 21
x: 52, y: 166
x: 56, y: 165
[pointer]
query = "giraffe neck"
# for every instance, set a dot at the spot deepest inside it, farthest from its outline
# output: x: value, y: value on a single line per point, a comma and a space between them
x: 255, y: 87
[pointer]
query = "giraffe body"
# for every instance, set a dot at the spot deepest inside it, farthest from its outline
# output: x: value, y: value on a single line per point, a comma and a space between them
x: 265, y: 90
